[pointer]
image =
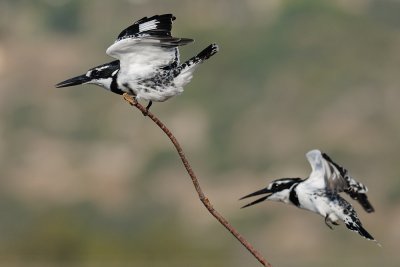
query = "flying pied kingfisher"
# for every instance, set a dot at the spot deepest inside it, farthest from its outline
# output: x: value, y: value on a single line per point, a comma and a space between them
x: 147, y: 65
x: 319, y: 193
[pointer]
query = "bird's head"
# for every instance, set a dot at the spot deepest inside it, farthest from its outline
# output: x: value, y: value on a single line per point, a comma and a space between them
x: 101, y: 75
x: 277, y: 190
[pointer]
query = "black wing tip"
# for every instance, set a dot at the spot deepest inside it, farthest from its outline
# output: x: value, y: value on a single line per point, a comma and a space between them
x: 163, y: 16
x: 368, y: 207
x: 165, y: 19
x: 366, y: 204
x: 363, y: 200
x: 162, y: 27
x: 167, y: 16
x: 360, y: 197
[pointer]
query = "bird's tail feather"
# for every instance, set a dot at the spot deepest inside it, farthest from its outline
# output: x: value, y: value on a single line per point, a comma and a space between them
x: 208, y: 52
x: 357, y: 227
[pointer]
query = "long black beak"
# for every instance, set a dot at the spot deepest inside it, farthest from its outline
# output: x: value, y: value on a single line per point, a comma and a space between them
x: 257, y: 193
x: 73, y: 81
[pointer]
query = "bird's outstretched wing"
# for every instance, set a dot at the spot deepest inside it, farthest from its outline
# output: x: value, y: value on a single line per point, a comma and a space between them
x: 349, y: 185
x: 157, y: 27
x: 323, y: 176
x: 148, y: 41
x: 327, y: 174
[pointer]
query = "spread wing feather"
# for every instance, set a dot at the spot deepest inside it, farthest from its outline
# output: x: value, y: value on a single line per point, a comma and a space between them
x: 147, y: 40
x: 335, y: 178
x: 350, y: 186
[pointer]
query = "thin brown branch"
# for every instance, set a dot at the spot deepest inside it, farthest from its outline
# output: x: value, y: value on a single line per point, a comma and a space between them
x: 196, y: 184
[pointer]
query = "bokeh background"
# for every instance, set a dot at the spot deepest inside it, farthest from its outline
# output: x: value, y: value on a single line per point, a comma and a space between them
x: 86, y: 180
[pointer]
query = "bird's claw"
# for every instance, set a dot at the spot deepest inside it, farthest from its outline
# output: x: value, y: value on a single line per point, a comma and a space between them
x: 133, y: 102
x: 129, y: 98
x: 327, y: 222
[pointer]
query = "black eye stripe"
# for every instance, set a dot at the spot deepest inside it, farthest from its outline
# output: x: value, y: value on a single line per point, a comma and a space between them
x: 284, y: 183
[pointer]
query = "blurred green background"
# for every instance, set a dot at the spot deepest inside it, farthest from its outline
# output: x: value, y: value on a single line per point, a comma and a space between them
x: 86, y: 180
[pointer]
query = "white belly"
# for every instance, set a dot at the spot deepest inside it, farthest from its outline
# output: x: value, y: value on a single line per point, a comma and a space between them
x: 160, y: 92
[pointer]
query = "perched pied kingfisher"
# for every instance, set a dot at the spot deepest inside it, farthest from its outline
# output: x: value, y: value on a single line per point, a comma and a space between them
x: 319, y: 193
x: 147, y: 65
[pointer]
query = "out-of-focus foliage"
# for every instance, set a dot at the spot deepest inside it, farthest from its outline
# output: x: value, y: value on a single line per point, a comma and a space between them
x: 88, y: 181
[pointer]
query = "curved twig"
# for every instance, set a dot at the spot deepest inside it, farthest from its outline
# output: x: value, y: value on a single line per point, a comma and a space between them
x: 196, y: 184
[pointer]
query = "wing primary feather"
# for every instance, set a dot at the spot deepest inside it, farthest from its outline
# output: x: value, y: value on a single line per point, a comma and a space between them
x: 158, y: 25
x: 363, y: 200
x: 353, y: 188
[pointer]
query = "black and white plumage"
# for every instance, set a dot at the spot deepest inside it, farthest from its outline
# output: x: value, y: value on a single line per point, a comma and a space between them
x: 147, y: 65
x: 319, y: 193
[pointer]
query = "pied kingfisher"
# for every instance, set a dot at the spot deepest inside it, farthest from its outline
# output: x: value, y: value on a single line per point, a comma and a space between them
x: 319, y: 193
x: 147, y: 65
